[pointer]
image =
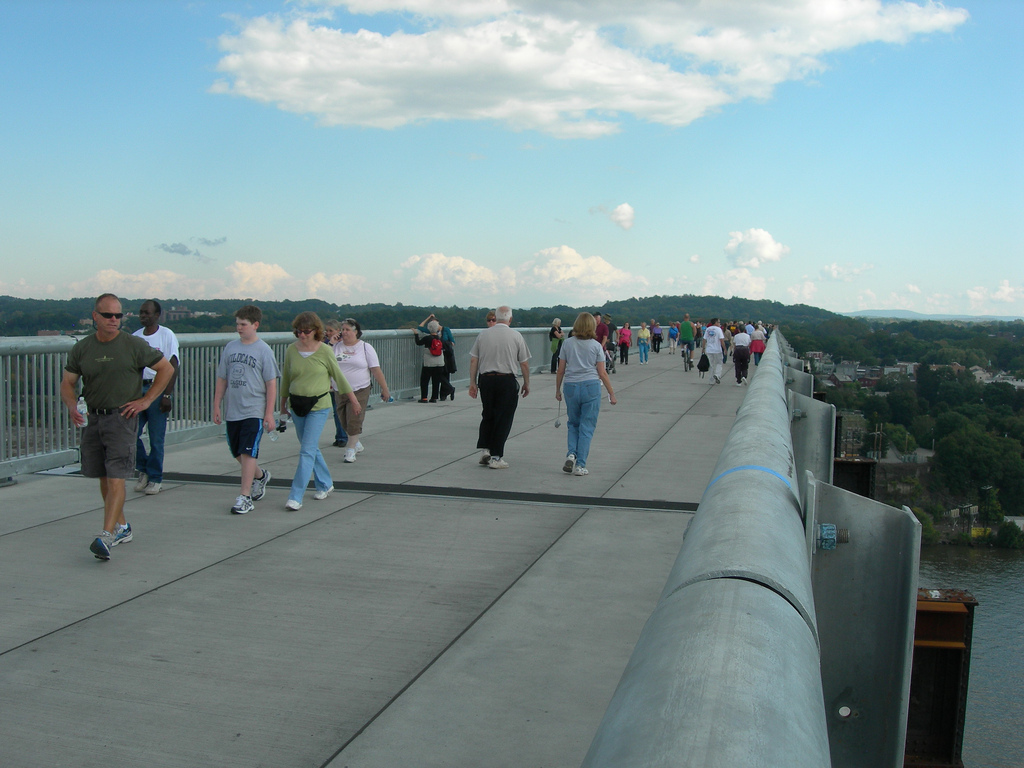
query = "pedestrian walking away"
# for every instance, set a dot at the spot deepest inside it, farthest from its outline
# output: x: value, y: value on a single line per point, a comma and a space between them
x: 713, y: 346
x: 741, y: 355
x: 581, y: 371
x: 150, y: 465
x: 496, y: 354
x: 244, y: 396
x: 109, y: 364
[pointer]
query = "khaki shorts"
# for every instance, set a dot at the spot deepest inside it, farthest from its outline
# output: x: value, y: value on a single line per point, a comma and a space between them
x: 350, y: 422
x: 108, y: 446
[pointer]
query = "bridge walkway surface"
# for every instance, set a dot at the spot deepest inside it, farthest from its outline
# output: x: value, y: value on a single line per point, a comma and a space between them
x: 430, y: 612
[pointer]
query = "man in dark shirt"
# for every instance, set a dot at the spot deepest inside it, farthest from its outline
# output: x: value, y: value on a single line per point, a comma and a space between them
x: 110, y: 364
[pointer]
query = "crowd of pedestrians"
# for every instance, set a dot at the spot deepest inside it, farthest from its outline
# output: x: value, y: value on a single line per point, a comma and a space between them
x: 328, y: 371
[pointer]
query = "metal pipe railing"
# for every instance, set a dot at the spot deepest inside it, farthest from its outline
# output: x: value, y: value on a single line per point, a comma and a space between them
x: 37, y: 434
x: 726, y: 671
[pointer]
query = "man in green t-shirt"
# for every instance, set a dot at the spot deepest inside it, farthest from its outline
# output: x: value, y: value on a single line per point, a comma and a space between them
x: 110, y: 365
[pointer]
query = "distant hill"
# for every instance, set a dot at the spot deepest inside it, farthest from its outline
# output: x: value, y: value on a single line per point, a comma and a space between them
x: 905, y: 314
x: 24, y: 317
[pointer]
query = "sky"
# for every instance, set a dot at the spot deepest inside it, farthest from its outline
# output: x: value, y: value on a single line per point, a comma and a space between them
x: 847, y: 154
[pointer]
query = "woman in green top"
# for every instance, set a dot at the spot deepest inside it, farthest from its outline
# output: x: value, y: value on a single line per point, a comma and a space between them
x: 308, y: 369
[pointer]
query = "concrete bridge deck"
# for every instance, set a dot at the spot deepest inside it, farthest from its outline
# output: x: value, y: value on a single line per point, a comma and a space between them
x: 431, y: 612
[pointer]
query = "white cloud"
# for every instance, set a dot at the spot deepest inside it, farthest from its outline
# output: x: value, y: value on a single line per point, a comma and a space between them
x: 563, y: 67
x: 159, y: 282
x: 440, y: 277
x: 623, y: 215
x: 753, y: 248
x: 339, y: 289
x: 568, y: 277
x: 913, y: 288
x: 844, y: 273
x: 258, y: 279
x: 981, y: 298
x: 736, y: 282
x: 803, y: 292
x: 695, y: 259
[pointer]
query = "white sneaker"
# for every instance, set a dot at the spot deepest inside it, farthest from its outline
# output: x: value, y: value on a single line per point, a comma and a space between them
x: 497, y: 462
x: 350, y: 455
x: 739, y: 383
x: 154, y: 488
x: 359, y: 447
x: 570, y: 463
x: 293, y: 505
x: 321, y: 495
x: 143, y: 481
x: 243, y: 505
x: 718, y: 380
x: 485, y: 459
x: 580, y: 471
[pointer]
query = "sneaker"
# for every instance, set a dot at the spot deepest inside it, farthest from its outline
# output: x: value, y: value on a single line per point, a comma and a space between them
x: 359, y: 447
x: 259, y: 485
x: 321, y: 495
x: 718, y: 380
x: 340, y: 443
x: 350, y: 455
x: 570, y: 463
x: 243, y: 504
x: 154, y: 488
x: 485, y: 459
x: 122, y: 534
x: 143, y: 481
x: 497, y: 462
x: 739, y: 383
x: 293, y: 505
x: 101, y: 545
x: 744, y: 379
x: 580, y: 471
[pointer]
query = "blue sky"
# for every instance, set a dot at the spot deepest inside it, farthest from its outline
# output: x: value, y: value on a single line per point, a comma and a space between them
x: 849, y: 154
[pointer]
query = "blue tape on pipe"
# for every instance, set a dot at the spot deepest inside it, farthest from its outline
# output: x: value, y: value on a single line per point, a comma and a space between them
x: 754, y: 468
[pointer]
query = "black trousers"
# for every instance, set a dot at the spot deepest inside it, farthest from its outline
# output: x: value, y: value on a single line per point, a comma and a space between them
x: 499, y: 396
x: 433, y: 375
x: 741, y: 359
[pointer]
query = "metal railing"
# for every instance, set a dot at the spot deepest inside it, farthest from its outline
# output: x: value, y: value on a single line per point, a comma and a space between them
x: 751, y: 657
x: 36, y: 432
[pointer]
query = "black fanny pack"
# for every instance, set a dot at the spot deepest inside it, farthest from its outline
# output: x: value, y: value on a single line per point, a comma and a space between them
x: 303, y: 404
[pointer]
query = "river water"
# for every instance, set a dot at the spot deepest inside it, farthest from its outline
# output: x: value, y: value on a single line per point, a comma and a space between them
x: 994, y: 732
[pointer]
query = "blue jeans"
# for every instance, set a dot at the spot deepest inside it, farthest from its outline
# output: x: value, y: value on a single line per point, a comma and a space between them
x: 308, y: 428
x: 340, y: 435
x: 582, y: 405
x: 151, y: 465
x: 644, y: 348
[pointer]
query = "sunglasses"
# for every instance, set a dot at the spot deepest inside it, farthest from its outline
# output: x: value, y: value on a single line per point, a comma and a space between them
x: 110, y: 315
x: 304, y: 331
x: 491, y: 320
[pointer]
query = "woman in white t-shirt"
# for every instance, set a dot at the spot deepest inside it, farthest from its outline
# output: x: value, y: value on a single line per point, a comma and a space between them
x: 358, y: 361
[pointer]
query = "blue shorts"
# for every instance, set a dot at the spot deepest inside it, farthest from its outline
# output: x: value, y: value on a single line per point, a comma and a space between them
x: 244, y: 437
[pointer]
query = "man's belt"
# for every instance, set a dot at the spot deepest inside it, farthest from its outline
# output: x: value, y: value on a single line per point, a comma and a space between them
x: 496, y: 373
x: 147, y: 381
x: 104, y: 411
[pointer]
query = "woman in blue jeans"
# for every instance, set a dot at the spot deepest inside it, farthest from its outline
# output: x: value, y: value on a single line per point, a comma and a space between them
x: 309, y: 367
x: 581, y: 370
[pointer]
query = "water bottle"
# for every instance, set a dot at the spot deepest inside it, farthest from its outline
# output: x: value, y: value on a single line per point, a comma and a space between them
x: 84, y: 410
x: 282, y: 425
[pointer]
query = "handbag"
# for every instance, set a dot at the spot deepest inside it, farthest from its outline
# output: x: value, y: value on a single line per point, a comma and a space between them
x: 303, y: 404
